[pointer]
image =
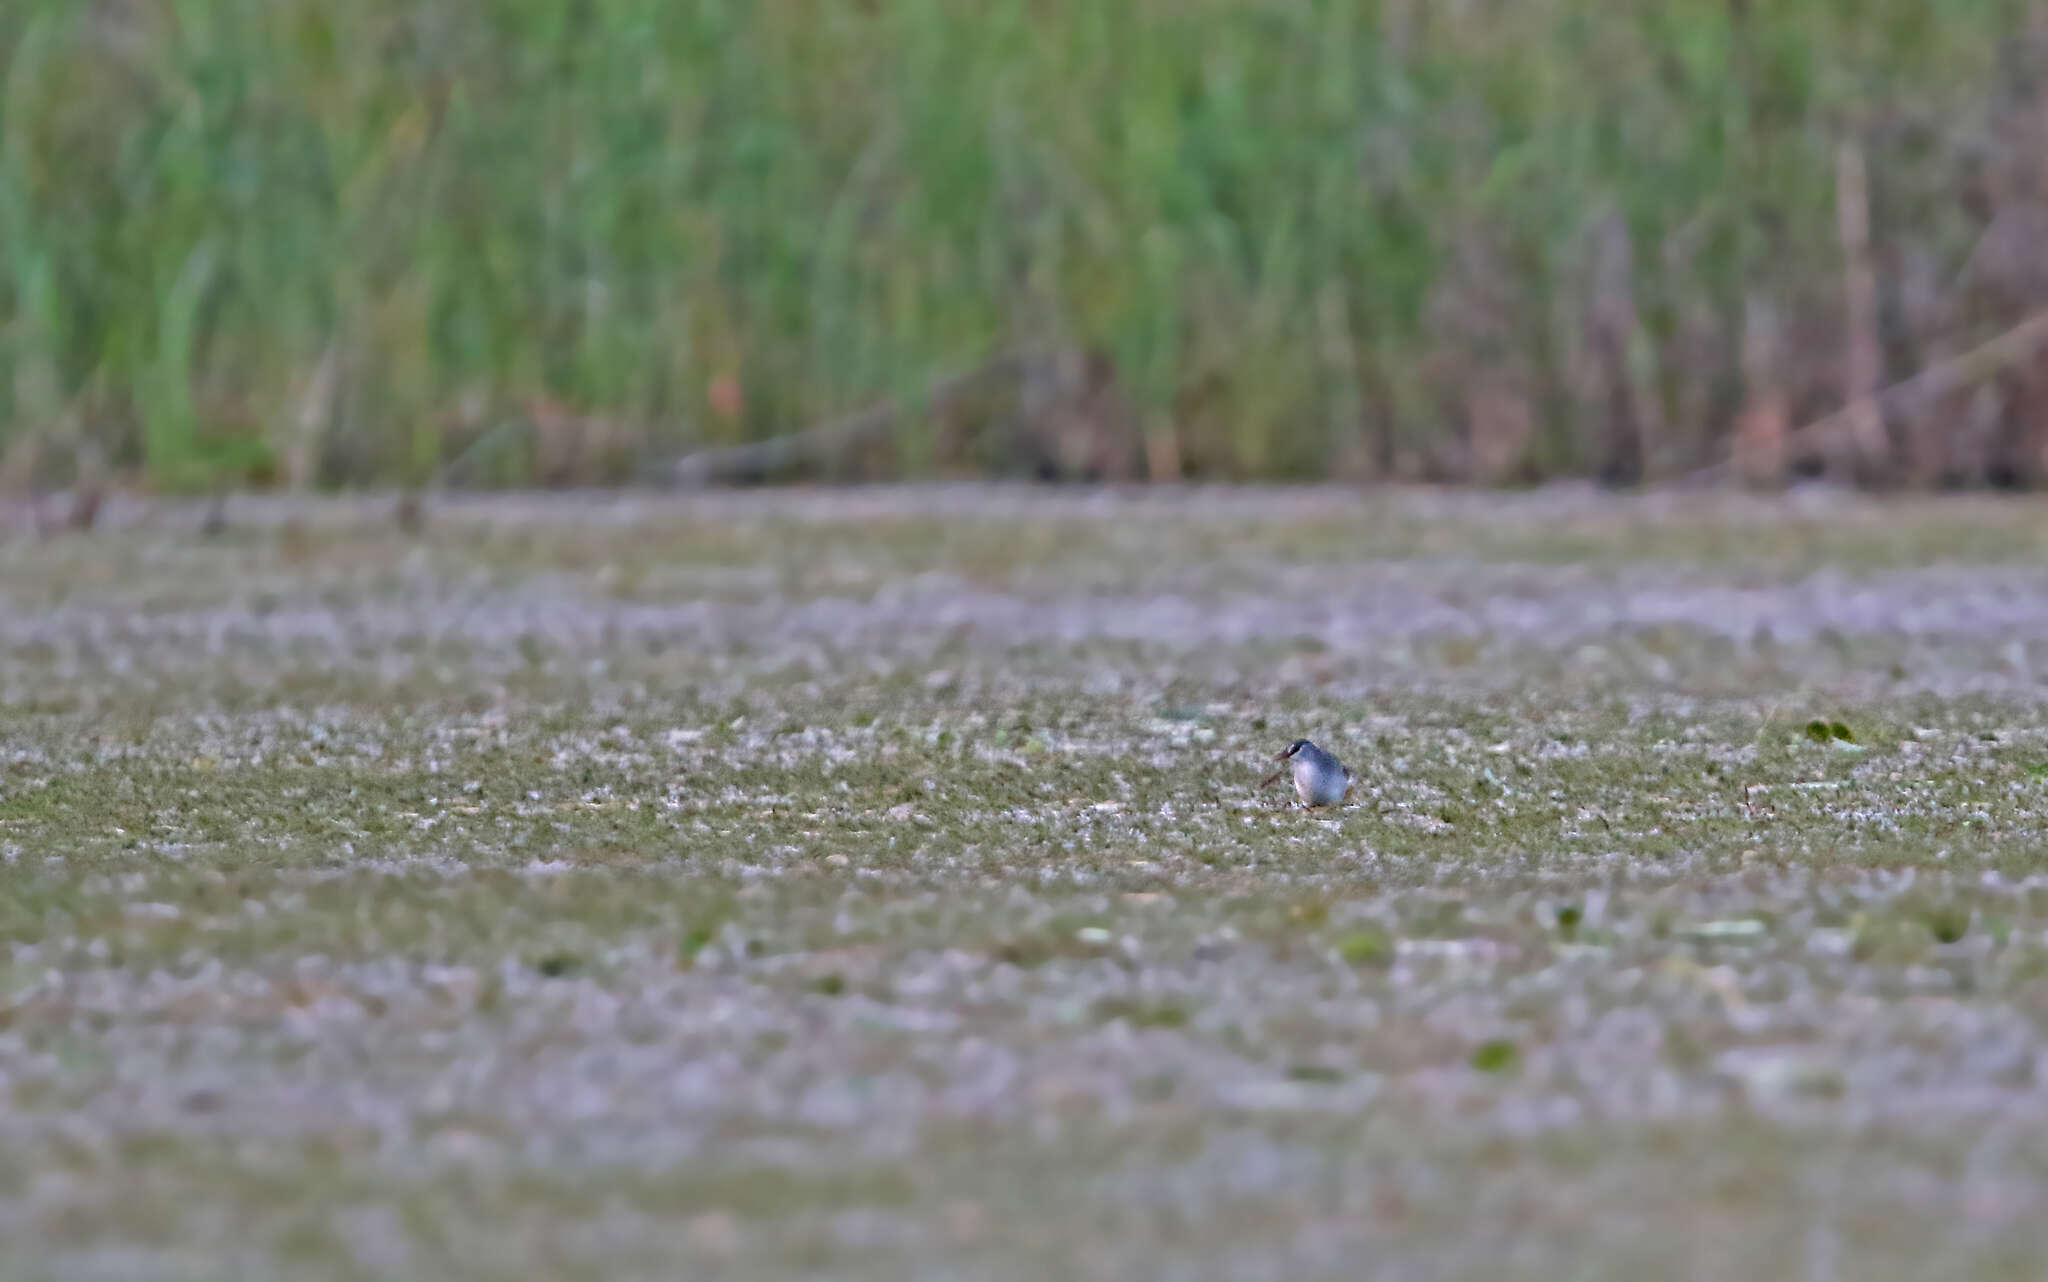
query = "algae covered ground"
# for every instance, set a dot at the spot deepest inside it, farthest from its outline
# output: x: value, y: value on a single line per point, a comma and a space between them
x: 875, y: 885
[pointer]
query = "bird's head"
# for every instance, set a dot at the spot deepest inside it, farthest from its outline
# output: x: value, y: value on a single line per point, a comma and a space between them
x: 1288, y: 753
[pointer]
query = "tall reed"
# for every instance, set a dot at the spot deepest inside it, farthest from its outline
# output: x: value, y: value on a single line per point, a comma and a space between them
x: 1481, y: 239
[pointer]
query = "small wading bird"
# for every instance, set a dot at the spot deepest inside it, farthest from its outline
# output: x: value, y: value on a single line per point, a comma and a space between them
x: 1319, y: 778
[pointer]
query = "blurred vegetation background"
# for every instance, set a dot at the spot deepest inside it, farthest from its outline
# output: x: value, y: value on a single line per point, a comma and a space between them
x: 542, y: 241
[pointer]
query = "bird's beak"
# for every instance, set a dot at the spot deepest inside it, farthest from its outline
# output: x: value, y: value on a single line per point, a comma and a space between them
x: 1280, y: 756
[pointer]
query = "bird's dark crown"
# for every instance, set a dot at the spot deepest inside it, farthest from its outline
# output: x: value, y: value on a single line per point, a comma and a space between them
x: 1296, y: 746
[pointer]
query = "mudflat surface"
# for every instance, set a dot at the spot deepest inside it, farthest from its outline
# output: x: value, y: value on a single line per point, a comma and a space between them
x: 875, y: 884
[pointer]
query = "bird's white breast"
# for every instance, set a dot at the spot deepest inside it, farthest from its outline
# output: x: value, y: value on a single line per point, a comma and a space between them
x: 1319, y: 787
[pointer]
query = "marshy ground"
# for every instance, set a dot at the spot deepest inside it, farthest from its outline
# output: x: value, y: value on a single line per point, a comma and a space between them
x: 874, y: 884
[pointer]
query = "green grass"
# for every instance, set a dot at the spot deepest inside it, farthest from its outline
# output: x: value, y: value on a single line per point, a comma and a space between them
x: 378, y: 906
x: 249, y: 240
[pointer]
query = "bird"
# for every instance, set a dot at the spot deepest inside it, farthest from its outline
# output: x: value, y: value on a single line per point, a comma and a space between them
x: 1319, y: 778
